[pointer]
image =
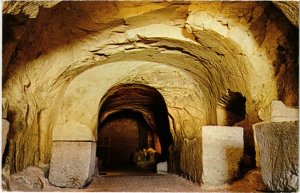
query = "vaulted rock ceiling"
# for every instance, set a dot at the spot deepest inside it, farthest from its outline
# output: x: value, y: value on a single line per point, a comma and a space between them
x: 61, y: 58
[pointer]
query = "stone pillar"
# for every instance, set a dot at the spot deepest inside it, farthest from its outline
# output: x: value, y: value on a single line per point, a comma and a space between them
x: 72, y: 163
x: 278, y: 146
x: 73, y: 155
x: 223, y: 148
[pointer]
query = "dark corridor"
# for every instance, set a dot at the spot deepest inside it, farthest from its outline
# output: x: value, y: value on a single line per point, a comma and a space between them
x: 133, y: 130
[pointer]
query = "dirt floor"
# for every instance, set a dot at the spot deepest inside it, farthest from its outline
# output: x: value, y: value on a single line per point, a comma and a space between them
x: 133, y: 180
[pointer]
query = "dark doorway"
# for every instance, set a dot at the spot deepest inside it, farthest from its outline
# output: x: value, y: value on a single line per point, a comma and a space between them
x: 234, y: 103
x: 122, y: 134
x: 133, y: 128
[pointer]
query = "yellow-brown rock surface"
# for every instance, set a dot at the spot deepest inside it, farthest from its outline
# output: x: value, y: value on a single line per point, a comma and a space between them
x: 72, y: 53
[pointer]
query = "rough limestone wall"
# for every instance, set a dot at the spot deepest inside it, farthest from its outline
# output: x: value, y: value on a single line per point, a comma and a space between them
x: 233, y: 47
x: 260, y: 31
x: 185, y: 101
x: 81, y: 100
x: 28, y: 8
x: 290, y: 10
x: 265, y: 37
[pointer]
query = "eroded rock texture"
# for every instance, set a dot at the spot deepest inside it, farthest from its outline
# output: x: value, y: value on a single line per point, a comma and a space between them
x: 30, y: 8
x: 72, y: 164
x: 5, y: 129
x: 31, y: 179
x: 290, y: 9
x: 278, y: 147
x: 70, y: 55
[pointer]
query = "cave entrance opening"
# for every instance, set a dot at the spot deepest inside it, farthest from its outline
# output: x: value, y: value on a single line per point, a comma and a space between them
x: 231, y: 108
x: 133, y: 130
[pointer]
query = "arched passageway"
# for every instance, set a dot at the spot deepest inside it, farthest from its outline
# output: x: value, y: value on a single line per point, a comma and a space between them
x: 132, y: 118
x: 58, y: 66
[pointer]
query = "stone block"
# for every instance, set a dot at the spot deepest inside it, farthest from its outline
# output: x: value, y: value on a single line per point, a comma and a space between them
x: 162, y: 168
x: 72, y: 163
x: 4, y: 108
x: 257, y: 152
x: 5, y: 129
x: 280, y: 112
x: 278, y: 146
x: 222, y: 148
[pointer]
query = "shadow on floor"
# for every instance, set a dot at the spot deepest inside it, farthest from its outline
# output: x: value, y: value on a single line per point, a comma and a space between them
x: 125, y: 170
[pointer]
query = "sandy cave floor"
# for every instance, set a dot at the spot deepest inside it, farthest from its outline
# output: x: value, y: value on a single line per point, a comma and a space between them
x: 125, y: 180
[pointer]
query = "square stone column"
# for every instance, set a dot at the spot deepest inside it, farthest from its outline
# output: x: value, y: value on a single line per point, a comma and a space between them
x: 278, y: 148
x: 223, y: 148
x: 72, y: 163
